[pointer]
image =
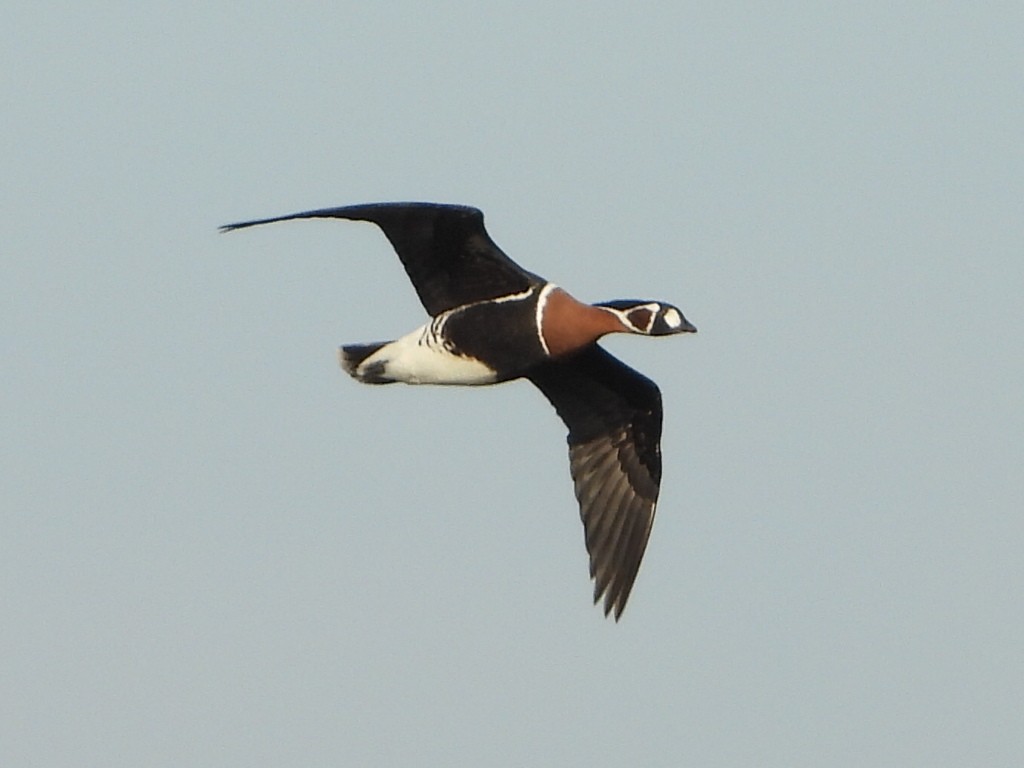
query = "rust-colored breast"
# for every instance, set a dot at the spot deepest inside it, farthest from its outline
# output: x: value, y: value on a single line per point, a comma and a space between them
x: 568, y: 325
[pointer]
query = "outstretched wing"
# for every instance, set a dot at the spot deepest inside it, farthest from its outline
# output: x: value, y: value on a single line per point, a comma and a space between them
x: 447, y: 253
x: 614, y: 419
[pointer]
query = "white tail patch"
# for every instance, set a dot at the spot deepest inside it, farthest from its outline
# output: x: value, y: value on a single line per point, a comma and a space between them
x: 420, y: 358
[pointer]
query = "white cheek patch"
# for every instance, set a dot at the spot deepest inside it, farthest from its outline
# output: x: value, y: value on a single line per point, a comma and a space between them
x: 672, y: 318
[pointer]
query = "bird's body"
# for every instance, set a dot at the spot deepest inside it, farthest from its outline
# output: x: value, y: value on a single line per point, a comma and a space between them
x: 479, y: 343
x: 493, y: 321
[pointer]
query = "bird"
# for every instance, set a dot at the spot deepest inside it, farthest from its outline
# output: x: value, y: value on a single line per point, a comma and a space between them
x: 492, y: 321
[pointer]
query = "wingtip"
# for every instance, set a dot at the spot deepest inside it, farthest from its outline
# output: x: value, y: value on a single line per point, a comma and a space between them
x: 614, y: 604
x: 240, y: 225
x: 256, y: 222
x: 614, y: 609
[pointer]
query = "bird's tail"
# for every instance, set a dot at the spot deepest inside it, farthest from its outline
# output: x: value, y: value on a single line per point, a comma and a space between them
x: 351, y: 357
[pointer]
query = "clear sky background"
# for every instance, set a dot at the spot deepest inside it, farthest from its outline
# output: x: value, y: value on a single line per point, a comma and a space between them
x: 218, y: 550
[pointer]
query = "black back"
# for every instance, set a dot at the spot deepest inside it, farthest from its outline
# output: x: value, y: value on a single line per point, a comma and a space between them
x: 447, y: 253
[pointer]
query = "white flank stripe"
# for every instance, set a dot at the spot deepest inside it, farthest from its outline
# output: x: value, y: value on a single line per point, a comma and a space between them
x: 511, y: 297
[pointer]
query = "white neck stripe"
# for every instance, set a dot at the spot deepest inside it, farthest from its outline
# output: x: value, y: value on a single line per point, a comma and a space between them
x: 542, y: 301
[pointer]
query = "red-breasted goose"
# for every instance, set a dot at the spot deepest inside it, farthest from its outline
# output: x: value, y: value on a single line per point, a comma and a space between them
x: 493, y: 321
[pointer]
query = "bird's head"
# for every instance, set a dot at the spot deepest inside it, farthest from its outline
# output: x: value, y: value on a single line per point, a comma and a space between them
x: 649, y: 318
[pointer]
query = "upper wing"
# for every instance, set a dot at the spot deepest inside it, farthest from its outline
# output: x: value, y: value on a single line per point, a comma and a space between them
x: 614, y: 419
x: 445, y: 250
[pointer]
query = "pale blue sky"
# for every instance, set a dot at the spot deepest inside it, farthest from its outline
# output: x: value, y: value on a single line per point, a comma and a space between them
x: 216, y: 549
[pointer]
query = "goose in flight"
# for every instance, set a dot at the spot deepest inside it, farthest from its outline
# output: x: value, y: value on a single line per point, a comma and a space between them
x: 492, y: 321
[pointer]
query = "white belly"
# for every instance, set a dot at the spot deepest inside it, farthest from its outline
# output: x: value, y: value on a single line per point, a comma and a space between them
x: 419, y: 358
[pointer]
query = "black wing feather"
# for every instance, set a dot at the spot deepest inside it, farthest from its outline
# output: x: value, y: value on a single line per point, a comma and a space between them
x: 614, y: 418
x: 447, y: 253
